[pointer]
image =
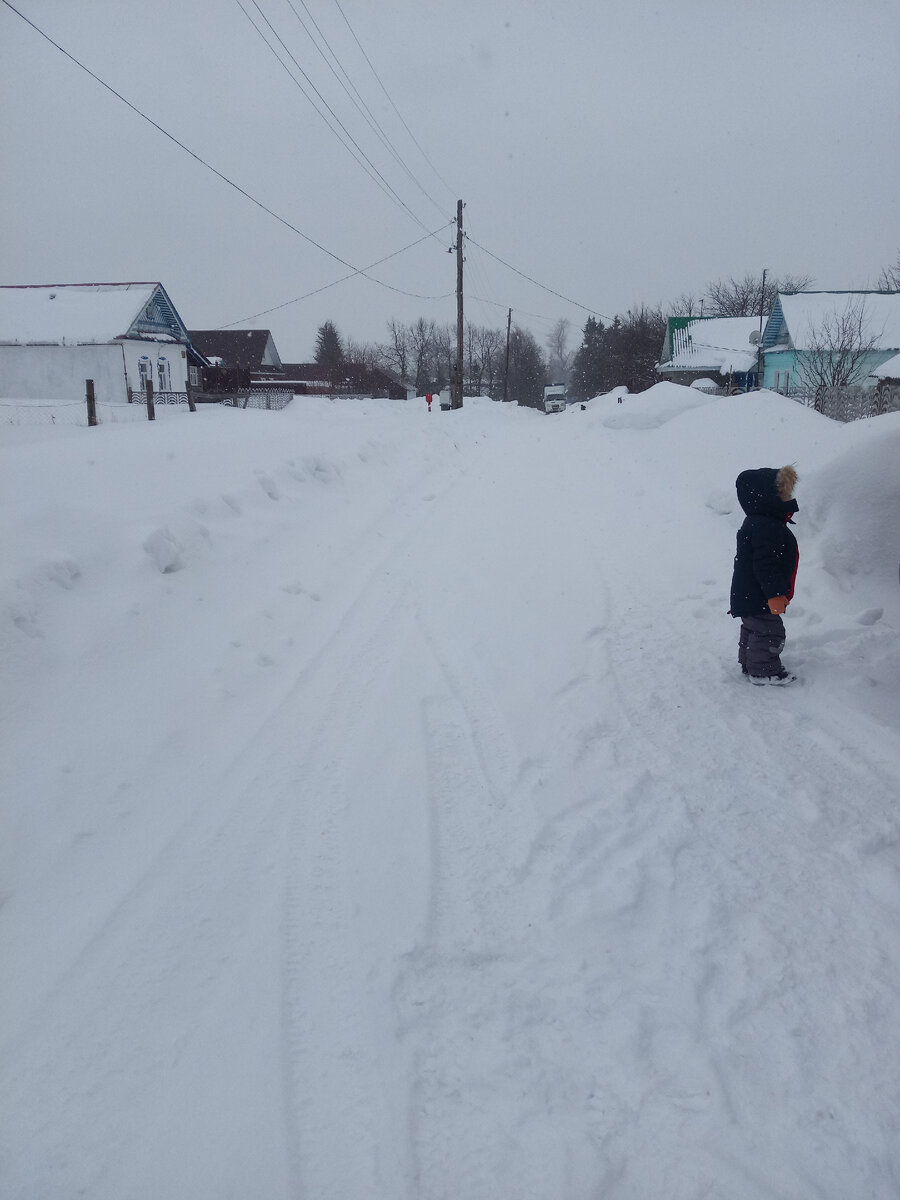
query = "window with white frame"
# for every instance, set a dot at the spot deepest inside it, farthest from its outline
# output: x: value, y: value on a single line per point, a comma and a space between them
x: 194, y: 376
x: 163, y: 374
x: 145, y: 372
x: 777, y: 381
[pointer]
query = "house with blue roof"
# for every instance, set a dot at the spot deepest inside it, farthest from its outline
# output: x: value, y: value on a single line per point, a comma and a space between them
x: 806, y: 328
x: 121, y: 335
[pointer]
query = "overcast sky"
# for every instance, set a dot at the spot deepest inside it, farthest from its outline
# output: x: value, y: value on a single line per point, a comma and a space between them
x: 617, y: 153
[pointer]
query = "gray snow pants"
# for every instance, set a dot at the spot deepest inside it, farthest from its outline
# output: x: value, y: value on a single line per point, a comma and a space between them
x: 760, y: 644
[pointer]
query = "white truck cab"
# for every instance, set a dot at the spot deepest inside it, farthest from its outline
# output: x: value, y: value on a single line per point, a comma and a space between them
x: 555, y: 398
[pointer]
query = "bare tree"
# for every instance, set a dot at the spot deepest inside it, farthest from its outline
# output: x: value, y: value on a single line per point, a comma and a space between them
x: 421, y: 345
x: 559, y: 357
x: 363, y: 354
x: 889, y: 279
x: 837, y: 350
x: 685, y: 305
x: 472, y: 361
x: 491, y: 344
x: 396, y: 353
x: 444, y: 354
x: 745, y: 297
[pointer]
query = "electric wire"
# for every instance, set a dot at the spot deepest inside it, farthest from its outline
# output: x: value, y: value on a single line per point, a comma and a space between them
x: 202, y: 161
x: 391, y: 102
x: 368, y: 166
x: 353, y: 274
x: 356, y: 97
x: 543, y: 286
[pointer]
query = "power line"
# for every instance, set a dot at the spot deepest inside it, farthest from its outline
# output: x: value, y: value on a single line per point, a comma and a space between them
x: 391, y: 102
x: 543, y: 286
x: 325, y: 286
x: 522, y: 311
x: 202, y: 161
x: 356, y: 97
x: 369, y: 167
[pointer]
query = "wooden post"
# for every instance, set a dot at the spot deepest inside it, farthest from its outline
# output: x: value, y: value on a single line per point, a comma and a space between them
x: 130, y: 394
x: 192, y: 407
x: 151, y: 411
x: 91, y: 405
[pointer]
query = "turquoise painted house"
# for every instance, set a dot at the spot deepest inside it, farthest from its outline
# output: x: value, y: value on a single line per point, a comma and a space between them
x: 801, y: 322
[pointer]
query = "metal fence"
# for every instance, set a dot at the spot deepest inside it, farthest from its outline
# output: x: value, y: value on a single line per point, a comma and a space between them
x: 74, y: 413
x: 168, y: 398
x: 840, y: 403
x: 270, y: 399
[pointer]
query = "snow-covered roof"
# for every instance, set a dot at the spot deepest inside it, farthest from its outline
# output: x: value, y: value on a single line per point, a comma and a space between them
x: 805, y: 313
x: 889, y: 369
x: 719, y: 344
x: 83, y: 314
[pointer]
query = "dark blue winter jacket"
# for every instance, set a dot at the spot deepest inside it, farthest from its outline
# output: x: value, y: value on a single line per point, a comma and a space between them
x: 765, y: 564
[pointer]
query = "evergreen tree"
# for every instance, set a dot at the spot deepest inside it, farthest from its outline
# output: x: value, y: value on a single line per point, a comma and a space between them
x: 587, y: 364
x: 329, y: 353
x: 527, y: 369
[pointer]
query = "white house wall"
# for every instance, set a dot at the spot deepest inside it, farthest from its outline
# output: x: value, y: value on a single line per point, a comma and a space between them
x: 59, y: 372
x: 174, y: 355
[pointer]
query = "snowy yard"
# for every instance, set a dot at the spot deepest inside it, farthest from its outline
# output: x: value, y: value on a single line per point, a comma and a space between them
x: 385, y: 815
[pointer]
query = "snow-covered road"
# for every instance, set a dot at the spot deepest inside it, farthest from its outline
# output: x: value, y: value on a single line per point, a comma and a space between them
x: 387, y: 817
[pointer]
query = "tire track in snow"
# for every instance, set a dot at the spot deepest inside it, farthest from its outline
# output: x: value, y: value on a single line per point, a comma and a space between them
x: 481, y: 1000
x: 341, y: 1120
x: 127, y: 1011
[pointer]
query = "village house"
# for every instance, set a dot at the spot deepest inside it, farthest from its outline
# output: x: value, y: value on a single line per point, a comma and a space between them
x: 808, y: 325
x: 120, y: 335
x: 697, y: 348
x: 243, y: 350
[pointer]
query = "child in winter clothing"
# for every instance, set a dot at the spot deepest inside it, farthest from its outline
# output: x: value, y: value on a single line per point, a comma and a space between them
x: 765, y: 567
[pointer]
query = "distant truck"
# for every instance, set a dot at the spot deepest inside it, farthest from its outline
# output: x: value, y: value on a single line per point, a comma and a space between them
x: 555, y: 398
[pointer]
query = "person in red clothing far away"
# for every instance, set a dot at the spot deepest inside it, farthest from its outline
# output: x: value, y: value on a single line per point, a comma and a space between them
x: 428, y: 399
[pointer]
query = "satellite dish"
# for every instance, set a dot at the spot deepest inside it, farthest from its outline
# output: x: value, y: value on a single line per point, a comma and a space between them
x: 754, y: 338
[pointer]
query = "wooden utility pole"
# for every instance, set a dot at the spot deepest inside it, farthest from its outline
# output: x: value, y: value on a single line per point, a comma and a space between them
x: 506, y: 372
x: 456, y: 400
x: 151, y: 408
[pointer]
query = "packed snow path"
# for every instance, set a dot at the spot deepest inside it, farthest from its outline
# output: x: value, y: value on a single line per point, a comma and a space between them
x: 388, y: 816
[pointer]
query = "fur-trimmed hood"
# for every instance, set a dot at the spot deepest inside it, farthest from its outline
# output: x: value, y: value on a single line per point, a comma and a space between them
x: 768, y: 492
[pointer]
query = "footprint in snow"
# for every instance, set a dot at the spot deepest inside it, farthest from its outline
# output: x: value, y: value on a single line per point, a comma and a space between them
x: 268, y: 485
x: 871, y: 616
